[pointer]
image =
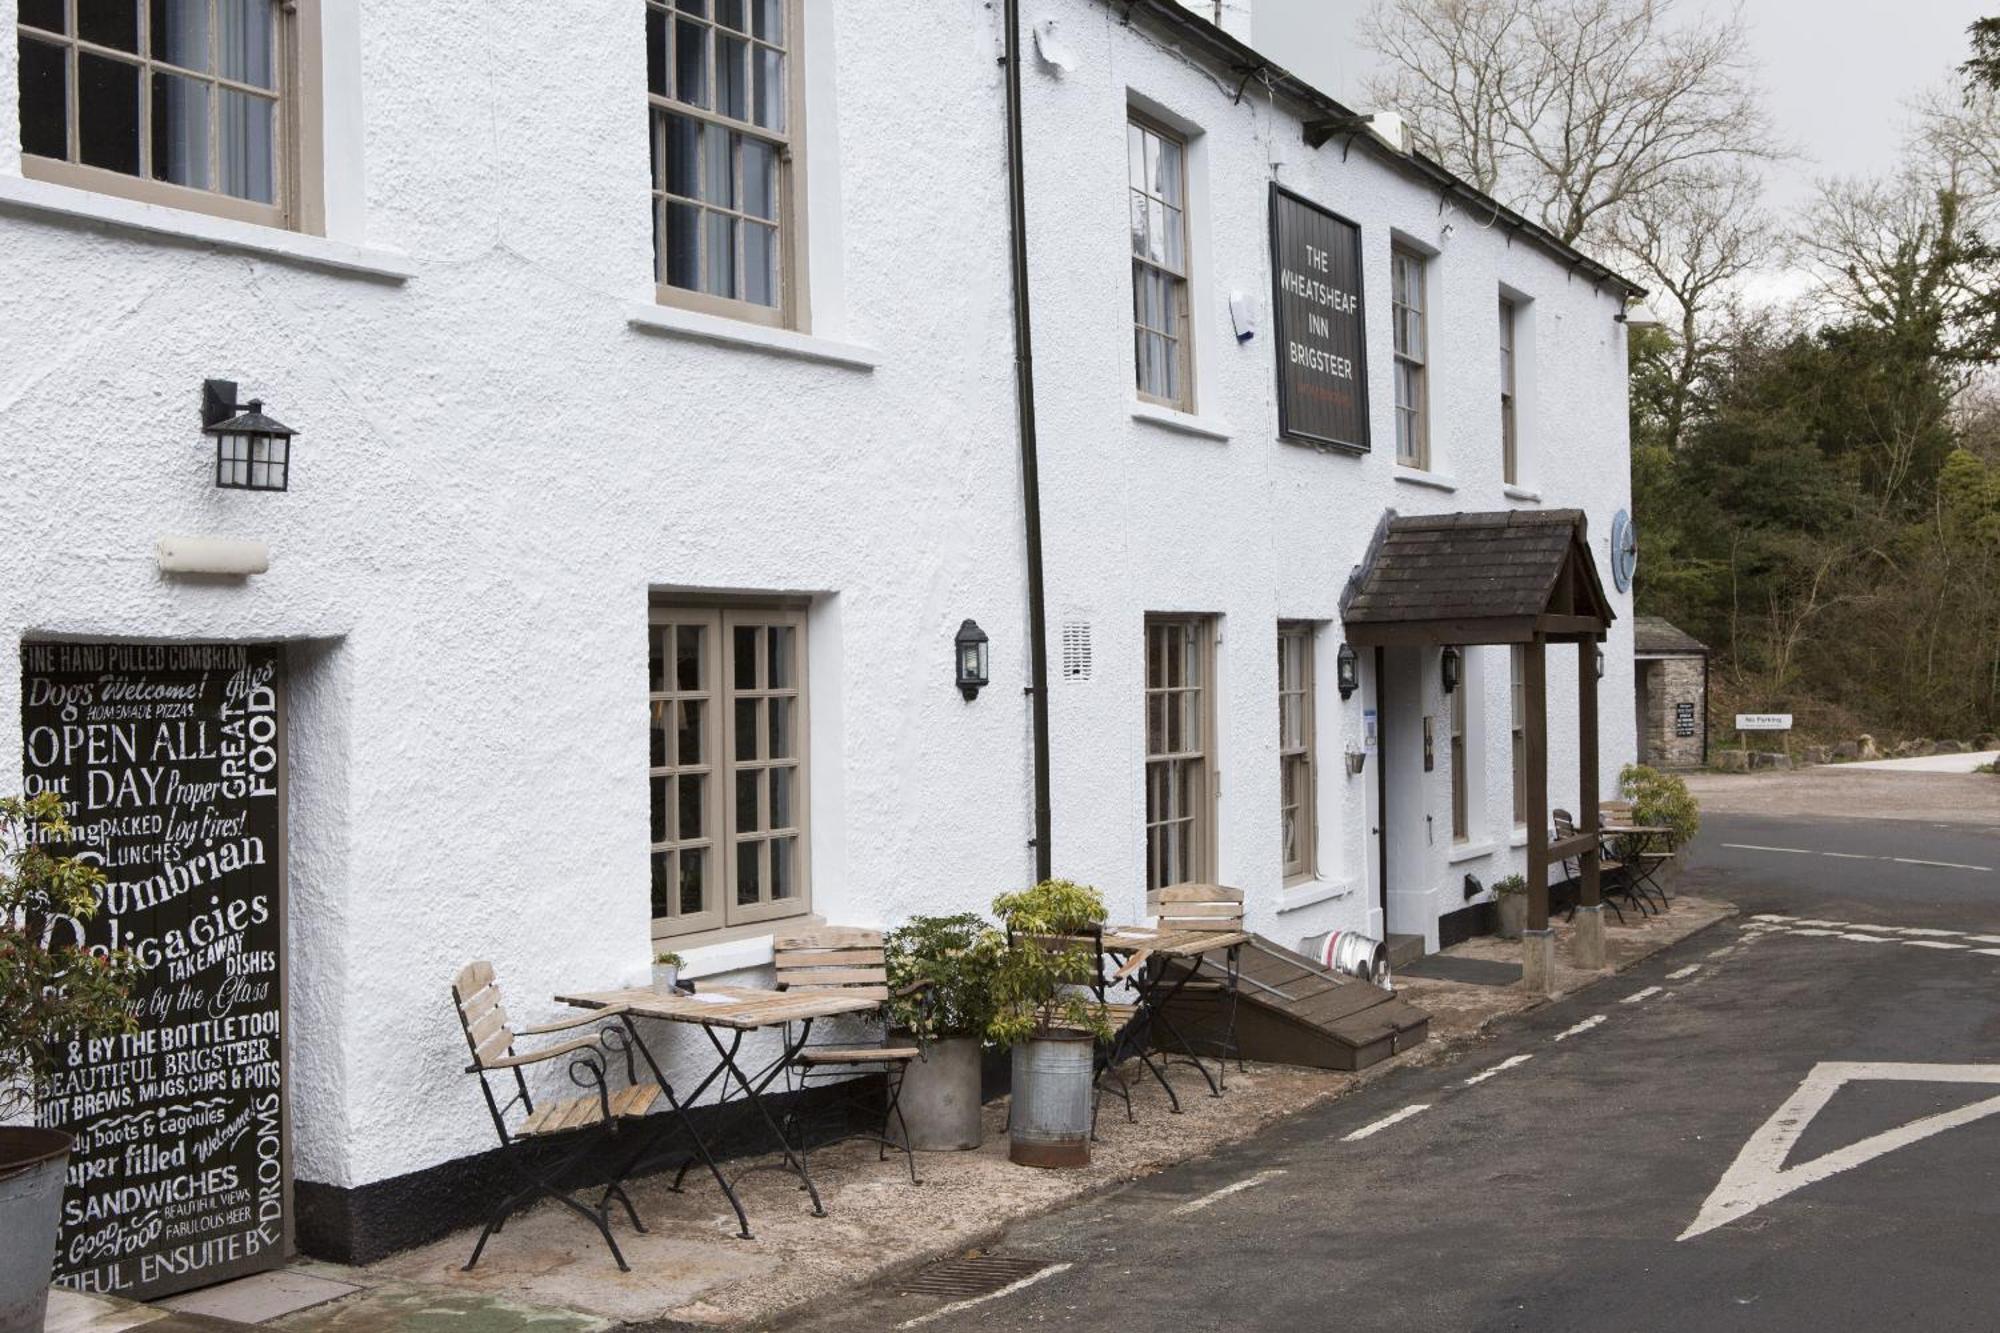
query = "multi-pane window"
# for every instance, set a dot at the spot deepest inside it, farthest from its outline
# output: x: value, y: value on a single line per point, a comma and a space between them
x: 1407, y: 318
x: 182, y: 102
x: 1516, y: 691
x: 1180, y: 776
x: 727, y: 767
x: 1157, y: 173
x: 1295, y: 748
x: 1510, y: 460
x: 724, y: 126
x: 1461, y: 812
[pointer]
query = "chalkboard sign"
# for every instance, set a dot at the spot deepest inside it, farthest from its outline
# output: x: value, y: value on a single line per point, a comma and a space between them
x: 168, y: 761
x: 1321, y: 332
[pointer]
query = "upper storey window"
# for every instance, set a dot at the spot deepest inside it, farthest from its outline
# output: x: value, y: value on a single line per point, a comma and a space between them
x: 189, y: 103
x: 1157, y: 188
x: 728, y: 208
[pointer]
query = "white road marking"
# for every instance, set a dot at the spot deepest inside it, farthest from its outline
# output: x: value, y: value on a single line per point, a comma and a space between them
x: 1687, y: 971
x: 1926, y: 930
x: 1985, y: 939
x: 1941, y: 865
x: 1637, y: 996
x: 1848, y: 856
x: 1501, y: 1068
x: 1759, y: 1175
x: 1581, y: 1028
x: 1008, y: 1290
x: 1853, y: 856
x: 1753, y: 847
x: 1396, y: 1119
x: 1934, y: 944
x: 1247, y: 1183
x: 1991, y: 952
x: 1867, y: 939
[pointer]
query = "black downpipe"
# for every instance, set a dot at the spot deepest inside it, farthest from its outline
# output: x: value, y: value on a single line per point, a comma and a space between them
x: 1024, y: 405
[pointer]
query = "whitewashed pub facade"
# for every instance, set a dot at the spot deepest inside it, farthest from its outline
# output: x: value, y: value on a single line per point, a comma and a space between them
x: 654, y: 434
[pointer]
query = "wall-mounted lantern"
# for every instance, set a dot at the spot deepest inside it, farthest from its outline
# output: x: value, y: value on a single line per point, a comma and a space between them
x: 1448, y: 664
x: 1600, y: 661
x: 1347, y: 671
x: 252, y: 451
x: 971, y: 659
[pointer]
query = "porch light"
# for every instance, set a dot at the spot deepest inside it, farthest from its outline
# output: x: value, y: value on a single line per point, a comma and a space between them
x: 1347, y: 671
x: 971, y: 658
x: 252, y: 451
x: 1448, y: 669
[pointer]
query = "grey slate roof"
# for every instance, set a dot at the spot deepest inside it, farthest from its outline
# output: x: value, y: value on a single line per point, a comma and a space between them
x: 1651, y: 634
x: 1469, y: 567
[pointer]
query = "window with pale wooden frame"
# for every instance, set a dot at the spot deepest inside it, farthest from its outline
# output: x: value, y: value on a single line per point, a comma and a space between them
x: 1516, y: 691
x: 1461, y: 814
x: 207, y: 105
x: 1407, y: 317
x: 1180, y: 761
x: 1162, y: 348
x: 727, y: 767
x: 1510, y: 457
x: 1299, y: 832
x: 724, y: 90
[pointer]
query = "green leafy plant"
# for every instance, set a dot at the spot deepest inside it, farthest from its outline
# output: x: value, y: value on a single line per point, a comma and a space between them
x: 1510, y: 886
x: 954, y: 959
x: 1041, y: 980
x: 1661, y: 799
x: 53, y: 991
x: 670, y: 959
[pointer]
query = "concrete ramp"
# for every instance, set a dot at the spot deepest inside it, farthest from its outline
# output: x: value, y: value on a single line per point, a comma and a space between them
x: 1291, y: 1010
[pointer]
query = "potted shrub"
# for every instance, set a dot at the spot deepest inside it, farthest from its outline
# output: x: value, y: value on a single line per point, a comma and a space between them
x: 667, y: 970
x: 952, y: 959
x: 1510, y: 906
x: 52, y: 992
x: 1045, y: 1012
x: 1662, y: 800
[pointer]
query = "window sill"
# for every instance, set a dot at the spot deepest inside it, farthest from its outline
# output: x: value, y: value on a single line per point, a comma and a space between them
x: 1519, y: 837
x: 1472, y: 851
x: 49, y: 200
x: 673, y: 322
x: 1522, y: 493
x: 1436, y: 481
x: 1182, y: 423
x: 730, y: 950
x: 1314, y: 891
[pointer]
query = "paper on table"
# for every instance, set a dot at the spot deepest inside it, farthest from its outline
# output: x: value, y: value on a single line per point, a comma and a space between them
x: 710, y: 998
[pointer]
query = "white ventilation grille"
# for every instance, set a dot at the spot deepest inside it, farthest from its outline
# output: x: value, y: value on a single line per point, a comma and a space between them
x: 1076, y: 650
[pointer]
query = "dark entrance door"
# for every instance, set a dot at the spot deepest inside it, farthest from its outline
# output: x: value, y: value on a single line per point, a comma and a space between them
x: 170, y: 761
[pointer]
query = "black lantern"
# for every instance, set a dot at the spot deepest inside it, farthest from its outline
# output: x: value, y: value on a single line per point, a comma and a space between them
x: 253, y: 452
x: 1347, y: 671
x: 1448, y: 669
x: 1600, y: 661
x: 971, y: 658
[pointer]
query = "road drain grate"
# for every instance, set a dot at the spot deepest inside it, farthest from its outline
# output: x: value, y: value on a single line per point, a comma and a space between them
x: 970, y: 1275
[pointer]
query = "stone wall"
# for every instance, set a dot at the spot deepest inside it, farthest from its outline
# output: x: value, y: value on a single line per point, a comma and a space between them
x: 1670, y: 741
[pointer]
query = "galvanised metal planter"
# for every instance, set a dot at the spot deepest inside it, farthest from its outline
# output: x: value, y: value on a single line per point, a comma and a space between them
x: 940, y: 1101
x: 31, y: 1189
x: 1050, y: 1123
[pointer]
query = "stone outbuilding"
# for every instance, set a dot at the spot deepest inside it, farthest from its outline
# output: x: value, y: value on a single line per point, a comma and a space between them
x: 1670, y: 677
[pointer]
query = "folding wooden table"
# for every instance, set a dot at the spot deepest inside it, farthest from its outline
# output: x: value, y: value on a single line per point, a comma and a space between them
x: 735, y: 1010
x: 1145, y: 951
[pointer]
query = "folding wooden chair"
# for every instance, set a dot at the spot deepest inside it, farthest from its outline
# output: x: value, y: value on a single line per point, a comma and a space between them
x: 1613, y: 881
x: 580, y: 1125
x: 849, y: 961
x: 1209, y: 998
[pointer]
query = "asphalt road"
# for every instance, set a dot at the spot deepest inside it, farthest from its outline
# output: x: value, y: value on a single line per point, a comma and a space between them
x: 1552, y: 1194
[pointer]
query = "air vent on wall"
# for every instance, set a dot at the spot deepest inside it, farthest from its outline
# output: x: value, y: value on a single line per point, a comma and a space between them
x: 1076, y: 650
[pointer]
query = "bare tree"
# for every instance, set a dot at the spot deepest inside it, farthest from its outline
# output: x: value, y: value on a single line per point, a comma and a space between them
x: 1569, y: 110
x: 1691, y: 239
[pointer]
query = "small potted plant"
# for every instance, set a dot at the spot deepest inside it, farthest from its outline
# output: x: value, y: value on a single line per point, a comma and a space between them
x: 1045, y: 1012
x: 667, y: 970
x: 941, y: 975
x: 54, y: 993
x: 1510, y: 906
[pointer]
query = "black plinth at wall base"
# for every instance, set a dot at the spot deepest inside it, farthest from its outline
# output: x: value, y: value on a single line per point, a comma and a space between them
x: 370, y: 1222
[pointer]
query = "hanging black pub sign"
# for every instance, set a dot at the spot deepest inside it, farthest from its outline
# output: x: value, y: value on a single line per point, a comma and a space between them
x: 168, y: 760
x: 1321, y: 337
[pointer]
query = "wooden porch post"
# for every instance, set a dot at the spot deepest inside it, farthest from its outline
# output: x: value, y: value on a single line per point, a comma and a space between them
x: 1534, y: 686
x: 1589, y: 942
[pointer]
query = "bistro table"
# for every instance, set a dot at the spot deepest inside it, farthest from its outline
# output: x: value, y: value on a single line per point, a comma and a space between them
x: 1147, y: 951
x: 734, y: 1010
x: 1636, y: 850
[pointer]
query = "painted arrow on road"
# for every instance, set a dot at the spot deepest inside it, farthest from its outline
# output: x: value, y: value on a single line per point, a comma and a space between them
x: 1759, y: 1175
